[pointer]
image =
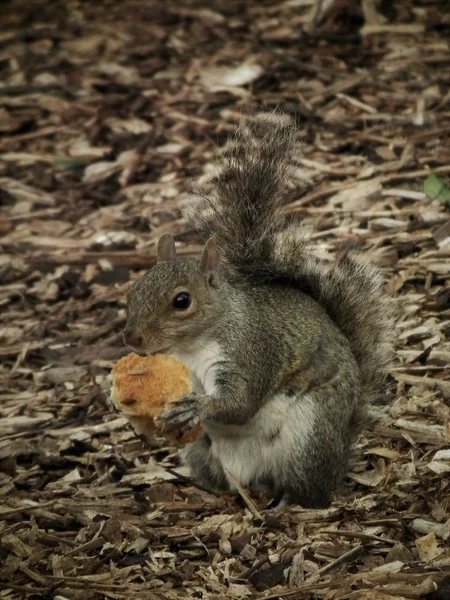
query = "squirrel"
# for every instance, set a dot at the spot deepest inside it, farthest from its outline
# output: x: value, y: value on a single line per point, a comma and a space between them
x: 287, y: 350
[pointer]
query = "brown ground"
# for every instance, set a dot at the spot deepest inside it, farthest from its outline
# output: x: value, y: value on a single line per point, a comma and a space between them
x: 107, y: 109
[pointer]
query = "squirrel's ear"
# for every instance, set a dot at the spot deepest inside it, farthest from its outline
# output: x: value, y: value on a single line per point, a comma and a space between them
x: 166, y: 248
x: 211, y: 262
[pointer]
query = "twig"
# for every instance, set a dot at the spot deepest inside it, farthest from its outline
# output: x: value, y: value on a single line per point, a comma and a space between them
x: 350, y: 554
x: 246, y: 498
x: 362, y: 536
x: 191, y: 481
x: 318, y: 10
x: 21, y: 509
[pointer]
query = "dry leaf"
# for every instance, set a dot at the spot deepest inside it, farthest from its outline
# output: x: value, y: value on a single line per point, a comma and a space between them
x: 100, y: 171
x: 428, y: 548
x: 357, y: 197
x: 224, y: 77
x: 134, y: 126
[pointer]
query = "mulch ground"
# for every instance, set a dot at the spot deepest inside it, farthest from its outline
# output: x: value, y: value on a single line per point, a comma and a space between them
x: 107, y: 109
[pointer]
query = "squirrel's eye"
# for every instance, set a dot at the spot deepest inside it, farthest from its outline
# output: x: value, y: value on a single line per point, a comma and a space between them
x: 182, y: 301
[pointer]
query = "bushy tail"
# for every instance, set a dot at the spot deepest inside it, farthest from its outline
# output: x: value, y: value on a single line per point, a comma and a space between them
x: 241, y: 206
x: 352, y: 292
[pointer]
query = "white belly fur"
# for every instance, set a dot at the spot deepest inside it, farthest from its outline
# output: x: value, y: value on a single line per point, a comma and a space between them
x: 202, y: 361
x: 261, y: 449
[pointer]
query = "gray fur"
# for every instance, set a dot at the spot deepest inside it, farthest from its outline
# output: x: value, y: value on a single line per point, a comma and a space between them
x: 288, y: 349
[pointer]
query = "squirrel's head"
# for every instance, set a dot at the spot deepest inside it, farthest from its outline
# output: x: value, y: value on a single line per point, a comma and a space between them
x: 175, y: 302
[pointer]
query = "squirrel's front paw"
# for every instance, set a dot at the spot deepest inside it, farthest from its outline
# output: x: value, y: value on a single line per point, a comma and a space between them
x: 182, y: 411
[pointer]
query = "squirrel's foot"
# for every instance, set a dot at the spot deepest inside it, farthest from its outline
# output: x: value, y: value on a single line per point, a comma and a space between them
x: 184, y: 410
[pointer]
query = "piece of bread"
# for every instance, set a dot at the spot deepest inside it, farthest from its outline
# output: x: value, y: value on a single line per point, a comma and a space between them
x: 143, y: 387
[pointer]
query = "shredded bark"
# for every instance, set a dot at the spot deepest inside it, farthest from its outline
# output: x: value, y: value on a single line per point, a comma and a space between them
x: 107, y: 109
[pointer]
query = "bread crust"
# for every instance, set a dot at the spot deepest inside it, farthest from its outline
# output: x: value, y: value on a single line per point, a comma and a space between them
x: 143, y: 387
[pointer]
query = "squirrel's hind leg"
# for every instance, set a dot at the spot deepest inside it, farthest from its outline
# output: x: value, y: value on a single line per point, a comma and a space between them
x: 316, y: 464
x: 205, y: 468
x: 317, y: 471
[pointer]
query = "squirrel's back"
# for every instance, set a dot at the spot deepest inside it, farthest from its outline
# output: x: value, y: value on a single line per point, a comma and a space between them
x: 241, y: 207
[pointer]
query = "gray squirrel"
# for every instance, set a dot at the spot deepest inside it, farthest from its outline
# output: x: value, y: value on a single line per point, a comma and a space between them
x: 288, y: 350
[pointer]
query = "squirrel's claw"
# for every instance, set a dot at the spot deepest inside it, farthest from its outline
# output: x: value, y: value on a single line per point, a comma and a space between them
x: 183, y: 410
x: 190, y: 425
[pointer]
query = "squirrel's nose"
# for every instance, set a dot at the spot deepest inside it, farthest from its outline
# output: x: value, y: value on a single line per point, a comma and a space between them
x: 131, y: 338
